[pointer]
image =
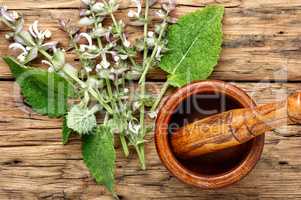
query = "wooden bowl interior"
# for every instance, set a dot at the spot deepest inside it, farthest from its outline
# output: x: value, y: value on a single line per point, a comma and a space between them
x: 200, y: 106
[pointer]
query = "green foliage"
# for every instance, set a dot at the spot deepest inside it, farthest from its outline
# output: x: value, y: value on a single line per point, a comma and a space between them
x: 66, y: 132
x: 81, y: 120
x: 45, y: 92
x: 195, y: 44
x: 99, y: 156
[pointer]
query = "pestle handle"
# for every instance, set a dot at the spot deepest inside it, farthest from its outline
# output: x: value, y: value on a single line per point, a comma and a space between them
x: 234, y: 127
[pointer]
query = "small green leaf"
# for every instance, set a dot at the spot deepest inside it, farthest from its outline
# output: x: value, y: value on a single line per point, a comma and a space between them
x: 81, y: 120
x: 195, y: 44
x: 45, y: 92
x: 66, y: 132
x: 99, y: 156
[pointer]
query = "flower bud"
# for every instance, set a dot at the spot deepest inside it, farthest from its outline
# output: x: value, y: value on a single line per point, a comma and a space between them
x: 86, y: 21
x: 98, y: 7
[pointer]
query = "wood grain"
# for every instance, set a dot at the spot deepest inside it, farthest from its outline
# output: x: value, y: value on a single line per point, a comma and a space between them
x: 234, y: 127
x: 259, y: 43
x: 35, y: 165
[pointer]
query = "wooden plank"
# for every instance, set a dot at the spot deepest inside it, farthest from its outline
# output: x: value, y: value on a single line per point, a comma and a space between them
x: 35, y: 165
x: 29, y: 4
x: 259, y: 43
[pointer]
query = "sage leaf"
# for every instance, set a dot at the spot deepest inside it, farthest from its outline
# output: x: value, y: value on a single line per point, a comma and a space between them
x: 99, y: 156
x: 195, y: 44
x: 66, y: 132
x: 81, y: 120
x: 46, y: 92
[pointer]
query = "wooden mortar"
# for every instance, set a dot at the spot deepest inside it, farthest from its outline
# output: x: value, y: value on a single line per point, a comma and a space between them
x: 217, y: 169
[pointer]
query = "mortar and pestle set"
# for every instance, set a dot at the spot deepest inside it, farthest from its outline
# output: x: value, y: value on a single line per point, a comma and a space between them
x: 210, y: 134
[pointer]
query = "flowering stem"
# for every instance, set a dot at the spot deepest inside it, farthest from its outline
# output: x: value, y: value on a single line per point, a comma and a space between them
x: 103, y: 54
x: 81, y: 83
x: 115, y: 107
x: 148, y: 64
x: 121, y: 37
x: 142, y: 89
x: 76, y: 48
x: 162, y: 92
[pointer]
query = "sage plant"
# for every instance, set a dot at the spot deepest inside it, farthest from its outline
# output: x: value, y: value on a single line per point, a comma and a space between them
x: 108, y: 64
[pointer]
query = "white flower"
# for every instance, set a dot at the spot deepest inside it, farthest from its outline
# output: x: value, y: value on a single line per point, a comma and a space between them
x: 150, y: 34
x: 116, y: 58
x: 126, y: 90
x: 137, y: 14
x: 16, y: 46
x: 88, y: 69
x: 87, y: 37
x: 123, y: 57
x: 86, y: 21
x: 86, y: 2
x: 132, y: 13
x: 126, y: 43
x: 136, y: 105
x: 22, y: 56
x: 160, y: 14
x: 47, y: 33
x: 150, y: 42
x: 139, y: 6
x: 51, y: 67
x: 98, y: 7
x: 46, y: 62
x: 153, y: 115
x: 7, y: 36
x: 15, y: 14
x: 98, y: 67
x: 134, y: 128
x: 105, y: 64
x: 158, y: 53
x: 49, y: 45
x: 34, y: 31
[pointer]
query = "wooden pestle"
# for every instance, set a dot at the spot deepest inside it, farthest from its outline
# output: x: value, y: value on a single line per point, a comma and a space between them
x: 234, y: 127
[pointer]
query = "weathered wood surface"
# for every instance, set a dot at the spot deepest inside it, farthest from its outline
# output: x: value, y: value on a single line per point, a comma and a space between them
x: 35, y: 165
x: 262, y: 42
x: 259, y: 42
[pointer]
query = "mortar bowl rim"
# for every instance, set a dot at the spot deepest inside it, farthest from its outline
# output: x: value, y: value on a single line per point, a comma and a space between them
x: 170, y: 161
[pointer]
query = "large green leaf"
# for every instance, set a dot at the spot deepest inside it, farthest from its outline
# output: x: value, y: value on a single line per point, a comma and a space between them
x: 195, y: 44
x: 99, y: 156
x: 45, y: 92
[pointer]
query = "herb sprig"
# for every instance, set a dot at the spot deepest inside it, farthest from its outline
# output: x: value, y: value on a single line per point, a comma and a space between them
x: 108, y: 64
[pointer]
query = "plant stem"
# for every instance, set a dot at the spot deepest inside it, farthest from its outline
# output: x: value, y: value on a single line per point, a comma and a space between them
x: 142, y: 89
x: 145, y: 31
x: 121, y: 37
x: 115, y: 107
x: 44, y: 53
x: 162, y: 92
x: 140, y: 151
x: 124, y: 145
x: 81, y: 83
x: 148, y: 64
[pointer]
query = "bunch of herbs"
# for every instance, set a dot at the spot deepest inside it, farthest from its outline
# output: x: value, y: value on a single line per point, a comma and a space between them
x: 107, y: 66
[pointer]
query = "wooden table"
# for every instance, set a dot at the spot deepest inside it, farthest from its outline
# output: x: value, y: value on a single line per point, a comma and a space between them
x: 262, y: 54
